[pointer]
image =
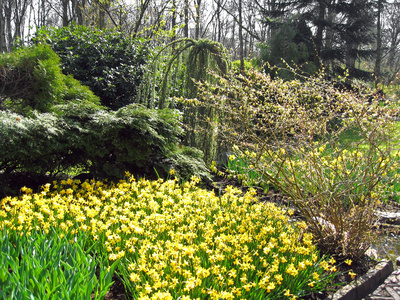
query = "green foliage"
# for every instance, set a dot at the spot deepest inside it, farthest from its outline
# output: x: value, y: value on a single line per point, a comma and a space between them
x: 247, y: 65
x: 50, y: 266
x: 75, y: 91
x: 34, y: 144
x: 239, y: 168
x: 31, y: 79
x: 187, y: 161
x: 290, y: 45
x: 292, y: 131
x: 131, y: 139
x: 104, y: 143
x: 202, y: 55
x: 108, y: 62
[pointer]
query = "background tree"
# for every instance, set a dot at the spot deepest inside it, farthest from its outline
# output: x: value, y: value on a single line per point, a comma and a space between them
x: 341, y: 31
x: 13, y: 15
x: 391, y: 39
x: 355, y: 29
x: 377, y: 68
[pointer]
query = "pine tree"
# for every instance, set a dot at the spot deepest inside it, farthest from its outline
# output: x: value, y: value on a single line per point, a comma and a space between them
x: 343, y: 29
x: 356, y: 22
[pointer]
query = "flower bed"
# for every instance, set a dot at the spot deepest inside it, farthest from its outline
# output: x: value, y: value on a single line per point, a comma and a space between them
x: 169, y: 240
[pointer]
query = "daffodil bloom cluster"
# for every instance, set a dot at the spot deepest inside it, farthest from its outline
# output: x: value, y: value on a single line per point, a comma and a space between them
x: 178, y: 240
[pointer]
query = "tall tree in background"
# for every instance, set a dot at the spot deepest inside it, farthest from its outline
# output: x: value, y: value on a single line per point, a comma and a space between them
x: 241, y: 42
x: 197, y: 18
x: 103, y: 10
x: 79, y: 6
x: 355, y: 30
x: 391, y: 38
x: 144, y: 4
x: 275, y: 14
x: 12, y: 25
x: 219, y: 22
x: 315, y: 12
x: 173, y: 19
x: 2, y: 30
x: 186, y: 17
x: 377, y: 69
x: 343, y: 29
x: 65, y: 15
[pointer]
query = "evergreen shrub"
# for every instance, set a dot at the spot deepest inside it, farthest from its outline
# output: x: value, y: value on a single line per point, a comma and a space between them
x: 103, y: 143
x: 290, y: 47
x: 108, y: 62
x: 31, y: 79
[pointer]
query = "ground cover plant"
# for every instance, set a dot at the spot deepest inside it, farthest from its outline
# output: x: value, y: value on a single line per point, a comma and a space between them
x: 169, y: 240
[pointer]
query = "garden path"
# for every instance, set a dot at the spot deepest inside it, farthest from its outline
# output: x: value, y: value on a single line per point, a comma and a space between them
x: 389, y: 289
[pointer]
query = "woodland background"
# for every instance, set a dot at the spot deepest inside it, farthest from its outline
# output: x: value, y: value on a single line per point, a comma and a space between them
x: 358, y: 35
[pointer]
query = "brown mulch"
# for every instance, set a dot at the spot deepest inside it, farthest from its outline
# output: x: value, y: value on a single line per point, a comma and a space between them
x: 117, y: 290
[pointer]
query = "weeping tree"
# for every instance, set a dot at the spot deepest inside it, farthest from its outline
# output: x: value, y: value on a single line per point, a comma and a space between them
x: 201, y: 57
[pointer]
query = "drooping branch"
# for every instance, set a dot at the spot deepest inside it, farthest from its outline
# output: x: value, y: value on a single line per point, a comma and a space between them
x: 197, y: 60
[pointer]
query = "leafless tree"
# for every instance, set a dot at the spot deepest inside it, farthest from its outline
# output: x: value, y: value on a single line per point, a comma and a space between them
x: 391, y: 37
x: 13, y: 15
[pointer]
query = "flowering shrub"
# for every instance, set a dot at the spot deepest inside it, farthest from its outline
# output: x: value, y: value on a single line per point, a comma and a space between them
x: 337, y: 191
x: 290, y: 135
x: 177, y: 240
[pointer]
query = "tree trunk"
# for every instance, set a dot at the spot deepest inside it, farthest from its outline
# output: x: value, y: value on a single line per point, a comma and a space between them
x: 233, y: 46
x: 186, y: 15
x: 241, y: 48
x: 173, y: 21
x: 103, y: 7
x: 329, y: 32
x: 377, y: 69
x: 19, y: 16
x: 65, y: 20
x: 320, y: 30
x: 8, y: 29
x: 79, y: 11
x: 197, y: 31
x: 351, y: 47
x: 143, y: 7
x: 219, y: 25
x: 2, y: 30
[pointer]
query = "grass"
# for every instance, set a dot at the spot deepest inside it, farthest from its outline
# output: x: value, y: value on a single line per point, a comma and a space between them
x: 166, y: 240
x: 354, y: 140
